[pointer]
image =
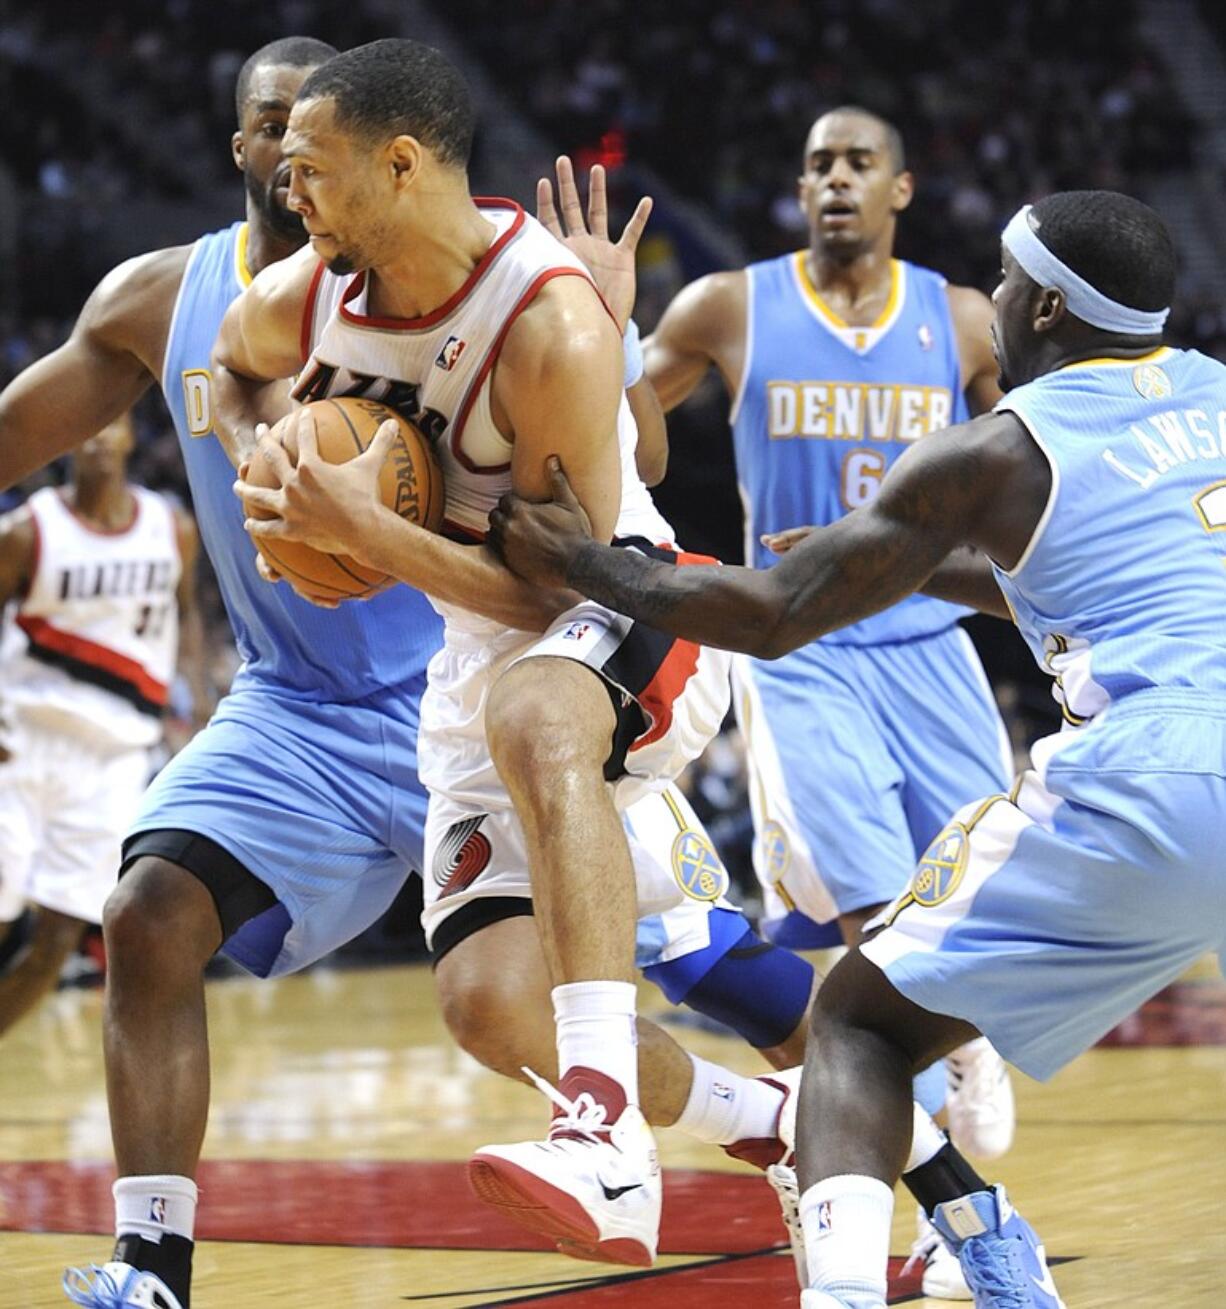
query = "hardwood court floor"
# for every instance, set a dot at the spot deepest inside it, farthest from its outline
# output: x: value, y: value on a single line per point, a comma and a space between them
x: 342, y: 1116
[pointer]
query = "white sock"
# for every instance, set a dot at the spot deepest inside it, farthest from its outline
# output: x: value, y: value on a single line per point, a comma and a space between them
x: 927, y: 1139
x: 151, y: 1207
x: 846, y: 1222
x: 724, y: 1107
x: 596, y: 1029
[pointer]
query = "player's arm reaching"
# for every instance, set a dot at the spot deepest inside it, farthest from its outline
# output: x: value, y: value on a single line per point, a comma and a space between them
x: 112, y: 356
x: 965, y: 576
x: 258, y: 347
x: 193, y: 648
x: 613, y: 270
x: 703, y: 327
x: 947, y: 491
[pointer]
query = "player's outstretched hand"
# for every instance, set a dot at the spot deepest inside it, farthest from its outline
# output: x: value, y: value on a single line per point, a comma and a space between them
x: 781, y: 542
x: 611, y: 265
x: 538, y: 541
x: 330, y: 507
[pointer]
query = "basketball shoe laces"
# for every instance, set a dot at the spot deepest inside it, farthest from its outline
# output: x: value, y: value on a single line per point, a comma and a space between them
x: 582, y: 1119
x: 991, y: 1267
x: 102, y: 1293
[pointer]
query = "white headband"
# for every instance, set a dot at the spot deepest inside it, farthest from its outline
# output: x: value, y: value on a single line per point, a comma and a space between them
x: 1084, y: 300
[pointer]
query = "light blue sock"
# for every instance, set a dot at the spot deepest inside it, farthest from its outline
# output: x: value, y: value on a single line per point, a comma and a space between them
x: 929, y: 1088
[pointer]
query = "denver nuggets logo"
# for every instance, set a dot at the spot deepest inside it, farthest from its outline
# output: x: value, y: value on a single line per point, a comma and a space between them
x: 940, y: 871
x: 697, y: 867
x: 775, y: 851
x: 1152, y: 382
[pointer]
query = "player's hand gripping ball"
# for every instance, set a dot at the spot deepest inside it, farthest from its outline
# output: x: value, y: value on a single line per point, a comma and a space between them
x: 410, y: 482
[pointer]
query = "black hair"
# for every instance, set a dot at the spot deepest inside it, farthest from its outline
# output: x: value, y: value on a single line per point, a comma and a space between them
x: 395, y: 87
x: 893, y: 137
x: 1119, y: 245
x: 289, y: 52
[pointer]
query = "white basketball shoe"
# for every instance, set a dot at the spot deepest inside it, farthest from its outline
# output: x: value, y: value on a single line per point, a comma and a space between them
x: 763, y: 1151
x: 943, y: 1277
x: 117, y: 1286
x: 787, y: 1192
x: 593, y: 1187
x: 980, y: 1100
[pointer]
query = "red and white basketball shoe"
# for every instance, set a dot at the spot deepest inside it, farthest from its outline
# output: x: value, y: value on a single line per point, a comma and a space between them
x: 762, y: 1151
x: 593, y: 1187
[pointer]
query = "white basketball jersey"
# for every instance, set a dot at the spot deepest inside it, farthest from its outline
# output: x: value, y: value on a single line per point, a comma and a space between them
x: 437, y: 370
x: 91, y: 648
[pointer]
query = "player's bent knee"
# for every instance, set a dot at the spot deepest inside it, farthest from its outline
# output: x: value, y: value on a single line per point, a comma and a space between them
x: 160, y: 914
x: 497, y: 1026
x: 546, y: 715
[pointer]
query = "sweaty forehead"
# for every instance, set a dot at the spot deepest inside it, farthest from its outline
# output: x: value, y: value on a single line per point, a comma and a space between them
x: 312, y: 127
x: 272, y: 85
x: 841, y: 133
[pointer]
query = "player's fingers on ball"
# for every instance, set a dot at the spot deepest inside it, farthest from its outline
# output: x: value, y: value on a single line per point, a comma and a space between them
x: 265, y: 569
x: 384, y: 438
x: 274, y: 457
x: 308, y: 439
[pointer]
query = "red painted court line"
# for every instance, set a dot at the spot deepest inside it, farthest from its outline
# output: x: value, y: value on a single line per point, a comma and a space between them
x: 397, y: 1205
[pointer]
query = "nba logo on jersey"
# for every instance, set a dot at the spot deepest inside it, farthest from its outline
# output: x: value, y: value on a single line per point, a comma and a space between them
x: 450, y: 354
x: 926, y: 339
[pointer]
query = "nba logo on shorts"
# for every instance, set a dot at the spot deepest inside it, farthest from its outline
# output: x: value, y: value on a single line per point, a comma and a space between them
x: 157, y: 1209
x: 576, y: 631
x: 825, y: 1216
x: 449, y: 355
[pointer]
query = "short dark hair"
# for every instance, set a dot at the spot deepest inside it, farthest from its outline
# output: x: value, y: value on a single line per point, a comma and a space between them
x: 395, y: 87
x: 1119, y: 245
x: 893, y: 137
x: 289, y: 52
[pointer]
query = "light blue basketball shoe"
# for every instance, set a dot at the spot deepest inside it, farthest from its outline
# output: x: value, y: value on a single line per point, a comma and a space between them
x: 1000, y: 1254
x: 118, y: 1286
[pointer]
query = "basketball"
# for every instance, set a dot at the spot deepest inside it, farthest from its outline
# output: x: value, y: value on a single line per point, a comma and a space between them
x: 409, y: 482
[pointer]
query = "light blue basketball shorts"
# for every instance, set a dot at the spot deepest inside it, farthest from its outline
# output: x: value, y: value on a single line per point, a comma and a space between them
x: 1046, y: 916
x: 857, y: 757
x: 321, y: 802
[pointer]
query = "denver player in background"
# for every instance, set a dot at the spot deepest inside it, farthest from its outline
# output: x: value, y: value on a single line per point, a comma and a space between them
x: 100, y: 575
x: 838, y: 358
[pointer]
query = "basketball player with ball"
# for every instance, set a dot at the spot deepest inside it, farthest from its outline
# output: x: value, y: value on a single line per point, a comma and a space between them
x: 473, y: 318
x: 292, y: 820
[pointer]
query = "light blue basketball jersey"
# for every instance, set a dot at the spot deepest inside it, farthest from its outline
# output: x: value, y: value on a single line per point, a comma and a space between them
x: 824, y: 409
x: 286, y: 643
x: 1123, y: 586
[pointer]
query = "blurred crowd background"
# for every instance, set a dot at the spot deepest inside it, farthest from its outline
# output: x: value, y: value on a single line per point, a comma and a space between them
x: 115, y: 140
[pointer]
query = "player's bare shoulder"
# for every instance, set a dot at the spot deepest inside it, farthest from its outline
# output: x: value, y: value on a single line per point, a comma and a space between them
x: 18, y: 549
x: 970, y: 309
x: 131, y: 309
x: 565, y: 327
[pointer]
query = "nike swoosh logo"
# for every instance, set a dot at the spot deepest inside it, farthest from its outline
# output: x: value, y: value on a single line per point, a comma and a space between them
x: 1047, y: 1285
x: 616, y: 1192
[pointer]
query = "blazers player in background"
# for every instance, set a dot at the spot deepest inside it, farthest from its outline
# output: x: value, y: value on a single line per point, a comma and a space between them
x: 240, y: 832
x: 100, y: 576
x: 839, y: 358
x: 1043, y: 917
